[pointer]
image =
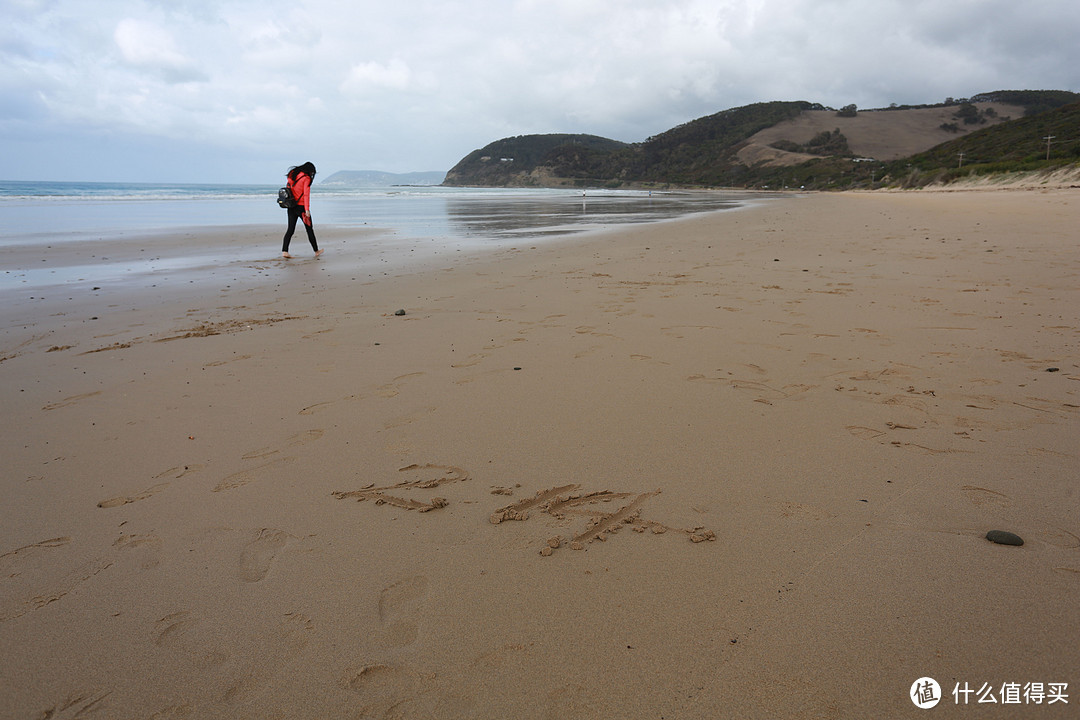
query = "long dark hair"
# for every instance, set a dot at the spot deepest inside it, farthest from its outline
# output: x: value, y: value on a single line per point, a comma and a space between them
x: 307, y: 168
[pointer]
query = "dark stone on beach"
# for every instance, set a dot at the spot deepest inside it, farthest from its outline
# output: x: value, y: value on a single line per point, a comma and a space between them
x: 517, y: 368
x: 400, y: 312
x: 1053, y: 369
x: 1003, y: 537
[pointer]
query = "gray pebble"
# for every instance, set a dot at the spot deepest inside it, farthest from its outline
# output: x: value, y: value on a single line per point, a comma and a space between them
x: 400, y: 312
x: 1002, y: 537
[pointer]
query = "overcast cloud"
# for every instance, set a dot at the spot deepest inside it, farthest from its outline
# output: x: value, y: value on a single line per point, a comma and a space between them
x: 237, y: 90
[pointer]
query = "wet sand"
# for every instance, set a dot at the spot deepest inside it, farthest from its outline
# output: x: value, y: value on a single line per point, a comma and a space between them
x: 739, y: 465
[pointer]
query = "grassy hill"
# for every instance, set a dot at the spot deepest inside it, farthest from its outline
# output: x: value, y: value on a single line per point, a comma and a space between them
x: 878, y: 134
x: 789, y: 144
x: 700, y: 152
x: 525, y: 159
x: 1017, y: 146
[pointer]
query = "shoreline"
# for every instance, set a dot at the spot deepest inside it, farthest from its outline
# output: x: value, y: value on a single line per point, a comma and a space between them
x: 775, y: 435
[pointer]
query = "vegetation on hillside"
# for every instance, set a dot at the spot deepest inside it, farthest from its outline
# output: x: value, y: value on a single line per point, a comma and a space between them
x: 1034, y: 102
x: 704, y: 152
x: 824, y: 143
x: 700, y: 152
x: 1016, y: 146
x: 507, y: 161
x: 1034, y: 142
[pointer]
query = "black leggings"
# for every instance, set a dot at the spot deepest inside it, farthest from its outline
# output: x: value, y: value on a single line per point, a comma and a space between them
x: 294, y: 215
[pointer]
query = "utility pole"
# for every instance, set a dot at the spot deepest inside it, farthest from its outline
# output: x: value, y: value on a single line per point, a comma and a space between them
x: 1048, y: 139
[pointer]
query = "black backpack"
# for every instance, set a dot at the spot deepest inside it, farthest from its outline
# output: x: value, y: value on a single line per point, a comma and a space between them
x: 285, y: 198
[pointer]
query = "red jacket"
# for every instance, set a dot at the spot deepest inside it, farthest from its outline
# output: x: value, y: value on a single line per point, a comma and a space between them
x: 301, y: 189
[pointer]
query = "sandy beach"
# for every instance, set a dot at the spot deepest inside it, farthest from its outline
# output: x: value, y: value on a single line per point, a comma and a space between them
x: 736, y: 465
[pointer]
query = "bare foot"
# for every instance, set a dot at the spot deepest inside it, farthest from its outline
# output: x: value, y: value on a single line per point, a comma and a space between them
x: 318, y: 253
x: 286, y: 255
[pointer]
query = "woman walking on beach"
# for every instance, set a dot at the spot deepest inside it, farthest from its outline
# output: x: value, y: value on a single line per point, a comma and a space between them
x: 299, y: 184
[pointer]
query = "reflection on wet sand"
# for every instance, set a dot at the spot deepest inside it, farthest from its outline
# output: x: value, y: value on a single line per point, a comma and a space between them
x: 501, y: 217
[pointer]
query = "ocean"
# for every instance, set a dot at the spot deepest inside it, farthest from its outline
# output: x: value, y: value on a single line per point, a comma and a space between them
x: 405, y: 219
x: 57, y: 209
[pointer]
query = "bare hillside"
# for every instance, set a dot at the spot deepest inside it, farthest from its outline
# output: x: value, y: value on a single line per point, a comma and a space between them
x: 878, y: 134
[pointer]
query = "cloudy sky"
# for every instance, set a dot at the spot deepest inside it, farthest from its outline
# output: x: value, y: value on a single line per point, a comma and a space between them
x: 237, y: 90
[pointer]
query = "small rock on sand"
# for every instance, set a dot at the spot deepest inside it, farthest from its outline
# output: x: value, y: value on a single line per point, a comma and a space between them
x: 1003, y: 537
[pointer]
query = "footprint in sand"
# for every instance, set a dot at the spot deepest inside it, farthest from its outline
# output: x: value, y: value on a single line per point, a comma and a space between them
x: 42, y: 573
x: 142, y: 549
x: 385, y: 690
x: 474, y: 359
x: 124, y: 500
x: 302, y: 438
x: 591, y: 330
x: 25, y: 569
x: 982, y: 497
x: 587, y: 351
x: 70, y: 400
x: 10, y: 558
x: 173, y: 712
x: 77, y: 705
x: 394, y: 691
x: 218, y: 363
x: 867, y: 433
x: 275, y: 650
x: 176, y: 632
x: 393, y: 387
x: 408, y: 419
x: 257, y: 555
x: 317, y: 407
x: 399, y: 610
x: 243, y: 477
x: 178, y: 471
x: 171, y: 627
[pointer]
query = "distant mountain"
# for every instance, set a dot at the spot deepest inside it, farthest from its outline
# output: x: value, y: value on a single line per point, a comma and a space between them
x: 765, y: 144
x: 376, y: 178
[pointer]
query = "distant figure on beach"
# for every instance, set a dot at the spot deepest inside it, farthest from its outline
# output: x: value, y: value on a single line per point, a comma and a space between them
x: 299, y: 184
